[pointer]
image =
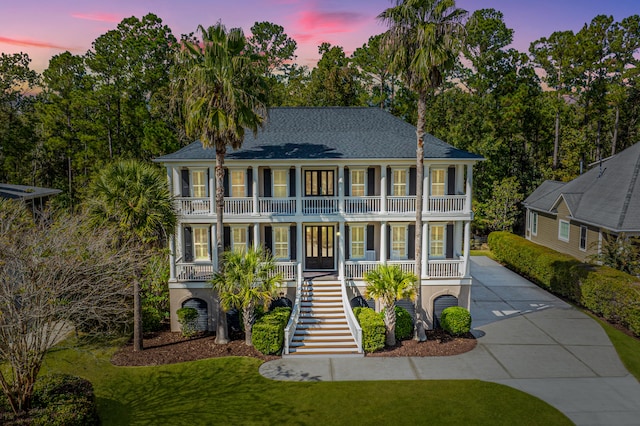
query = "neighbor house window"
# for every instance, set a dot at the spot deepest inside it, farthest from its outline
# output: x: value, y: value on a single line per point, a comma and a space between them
x: 237, y: 183
x: 398, y: 242
x: 280, y: 178
x: 201, y: 243
x: 436, y: 241
x: 357, y: 183
x: 399, y: 182
x: 281, y: 242
x: 563, y: 230
x: 198, y: 183
x: 357, y: 234
x: 437, y: 182
x: 534, y: 223
x: 239, y: 238
x: 583, y: 238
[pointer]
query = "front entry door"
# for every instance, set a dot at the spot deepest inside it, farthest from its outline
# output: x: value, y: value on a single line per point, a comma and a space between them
x: 319, y: 247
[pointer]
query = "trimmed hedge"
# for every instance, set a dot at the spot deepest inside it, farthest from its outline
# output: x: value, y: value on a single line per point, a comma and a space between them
x: 267, y: 334
x: 456, y: 320
x: 373, y: 329
x: 188, y: 319
x: 604, y: 291
x: 404, y: 323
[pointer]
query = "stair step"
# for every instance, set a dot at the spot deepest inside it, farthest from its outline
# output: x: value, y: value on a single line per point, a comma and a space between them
x: 325, y: 345
x: 329, y: 327
x: 322, y: 332
x: 322, y: 321
x: 329, y: 340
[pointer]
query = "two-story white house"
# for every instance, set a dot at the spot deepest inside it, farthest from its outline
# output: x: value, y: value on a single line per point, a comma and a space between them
x: 331, y: 192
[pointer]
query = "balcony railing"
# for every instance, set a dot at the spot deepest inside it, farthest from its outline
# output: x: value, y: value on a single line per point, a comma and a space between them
x: 194, y: 271
x: 401, y: 204
x: 193, y: 206
x: 445, y: 268
x: 287, y: 270
x: 277, y: 206
x: 238, y: 205
x: 447, y: 203
x: 319, y: 205
x: 362, y: 205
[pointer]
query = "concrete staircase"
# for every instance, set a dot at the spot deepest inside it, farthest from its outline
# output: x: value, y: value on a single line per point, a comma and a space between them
x: 322, y: 328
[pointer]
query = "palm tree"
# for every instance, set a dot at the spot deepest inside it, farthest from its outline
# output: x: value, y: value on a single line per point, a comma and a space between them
x: 389, y: 283
x: 424, y: 40
x: 221, y: 94
x: 247, y: 280
x: 133, y: 197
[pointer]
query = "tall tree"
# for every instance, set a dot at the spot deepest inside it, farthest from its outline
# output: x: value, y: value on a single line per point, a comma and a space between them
x: 373, y: 61
x: 334, y: 82
x: 221, y: 95
x: 424, y: 38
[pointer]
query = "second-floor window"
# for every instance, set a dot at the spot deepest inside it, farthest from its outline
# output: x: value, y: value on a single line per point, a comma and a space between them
x: 437, y: 182
x: 318, y: 182
x: 198, y: 183
x: 238, y: 183
x: 357, y: 183
x: 280, y: 178
x: 399, y: 188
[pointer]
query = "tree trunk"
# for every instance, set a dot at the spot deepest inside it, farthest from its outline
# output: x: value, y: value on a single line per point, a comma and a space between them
x: 248, y: 318
x: 222, y: 337
x: 420, y: 334
x: 614, y: 140
x: 137, y: 317
x: 390, y: 322
x: 556, y: 140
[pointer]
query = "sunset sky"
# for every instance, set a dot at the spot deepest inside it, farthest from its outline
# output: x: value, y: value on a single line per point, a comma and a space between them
x: 43, y: 28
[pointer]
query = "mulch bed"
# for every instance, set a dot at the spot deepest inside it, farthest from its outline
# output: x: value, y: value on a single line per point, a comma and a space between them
x: 165, y: 347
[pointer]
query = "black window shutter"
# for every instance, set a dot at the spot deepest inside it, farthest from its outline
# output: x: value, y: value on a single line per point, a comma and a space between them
x: 293, y: 242
x: 347, y: 243
x: 412, y: 181
x: 249, y: 182
x: 411, y: 244
x: 268, y: 238
x: 370, y: 238
x: 267, y: 182
x: 389, y: 179
x: 347, y: 182
x: 371, y: 181
x: 449, y: 241
x: 451, y: 181
x: 226, y: 240
x: 250, y: 236
x: 185, y: 183
x: 292, y: 182
x: 188, y: 244
x: 225, y: 182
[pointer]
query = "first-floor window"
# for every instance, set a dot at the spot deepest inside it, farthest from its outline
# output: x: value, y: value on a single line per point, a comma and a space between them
x: 563, y: 230
x: 201, y: 243
x: 534, y: 223
x: 583, y: 238
x: 357, y: 241
x: 398, y: 242
x: 436, y: 240
x: 239, y: 239
x: 281, y: 242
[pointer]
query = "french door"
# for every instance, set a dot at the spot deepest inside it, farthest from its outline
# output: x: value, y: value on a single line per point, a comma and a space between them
x: 319, y: 247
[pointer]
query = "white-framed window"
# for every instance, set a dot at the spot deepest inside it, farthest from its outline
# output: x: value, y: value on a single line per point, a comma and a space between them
x: 398, y: 242
x: 357, y: 234
x: 436, y: 241
x: 281, y: 242
x: 437, y: 182
x: 198, y: 183
x: 534, y: 223
x: 563, y: 230
x: 238, y: 183
x: 280, y: 182
x: 357, y: 183
x: 399, y: 180
x: 238, y: 238
x: 201, y: 243
x: 583, y: 238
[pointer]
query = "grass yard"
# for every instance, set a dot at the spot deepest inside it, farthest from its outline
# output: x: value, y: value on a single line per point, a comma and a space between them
x: 627, y: 347
x: 231, y: 391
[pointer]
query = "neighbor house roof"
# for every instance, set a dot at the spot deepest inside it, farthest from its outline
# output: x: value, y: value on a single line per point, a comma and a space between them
x: 298, y: 133
x: 25, y: 192
x: 608, y: 195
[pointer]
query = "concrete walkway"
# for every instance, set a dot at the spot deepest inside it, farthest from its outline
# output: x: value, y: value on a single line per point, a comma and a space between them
x: 527, y: 339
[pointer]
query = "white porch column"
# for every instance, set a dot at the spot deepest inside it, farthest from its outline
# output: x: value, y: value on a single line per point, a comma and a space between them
x: 254, y: 171
x: 299, y: 244
x: 212, y: 189
x: 214, y: 248
x: 383, y: 242
x: 383, y: 188
x: 170, y: 179
x: 341, y: 251
x: 341, y: 188
x: 172, y: 258
x: 256, y: 235
x: 298, y: 190
x: 426, y: 191
x: 425, y: 249
x: 467, y: 204
x: 467, y: 247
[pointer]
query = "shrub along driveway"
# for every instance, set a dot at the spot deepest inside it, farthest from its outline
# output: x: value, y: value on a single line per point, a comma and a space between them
x: 527, y: 339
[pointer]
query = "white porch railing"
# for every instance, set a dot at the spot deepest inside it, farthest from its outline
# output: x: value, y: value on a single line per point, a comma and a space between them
x: 290, y: 329
x: 405, y: 265
x: 238, y: 205
x: 357, y: 269
x: 283, y: 206
x: 354, y: 325
x: 361, y: 205
x: 447, y: 203
x: 194, y: 271
x: 193, y: 206
x: 287, y: 270
x: 319, y: 205
x: 446, y: 268
x: 401, y: 204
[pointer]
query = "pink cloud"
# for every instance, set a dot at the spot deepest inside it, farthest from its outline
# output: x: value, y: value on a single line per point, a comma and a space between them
x: 31, y: 43
x: 328, y: 22
x: 99, y: 16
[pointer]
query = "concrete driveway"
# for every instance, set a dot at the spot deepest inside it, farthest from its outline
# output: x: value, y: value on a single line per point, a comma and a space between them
x: 527, y: 339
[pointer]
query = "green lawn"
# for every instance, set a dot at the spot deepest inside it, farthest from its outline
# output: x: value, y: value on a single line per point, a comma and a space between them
x: 231, y: 391
x: 627, y: 347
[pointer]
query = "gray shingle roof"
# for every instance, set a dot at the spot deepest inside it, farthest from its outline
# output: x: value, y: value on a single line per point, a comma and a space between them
x: 607, y: 195
x: 328, y: 132
x: 25, y: 192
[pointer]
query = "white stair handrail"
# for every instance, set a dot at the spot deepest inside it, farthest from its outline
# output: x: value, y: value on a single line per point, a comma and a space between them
x: 354, y: 326
x: 290, y: 329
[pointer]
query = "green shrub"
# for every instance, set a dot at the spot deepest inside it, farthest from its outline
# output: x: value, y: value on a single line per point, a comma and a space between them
x: 373, y: 329
x: 404, y: 323
x: 456, y: 320
x: 63, y: 399
x: 151, y: 319
x: 188, y: 319
x: 267, y: 334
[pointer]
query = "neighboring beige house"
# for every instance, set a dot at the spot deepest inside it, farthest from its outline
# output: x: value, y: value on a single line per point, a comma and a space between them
x: 576, y: 217
x: 331, y: 192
